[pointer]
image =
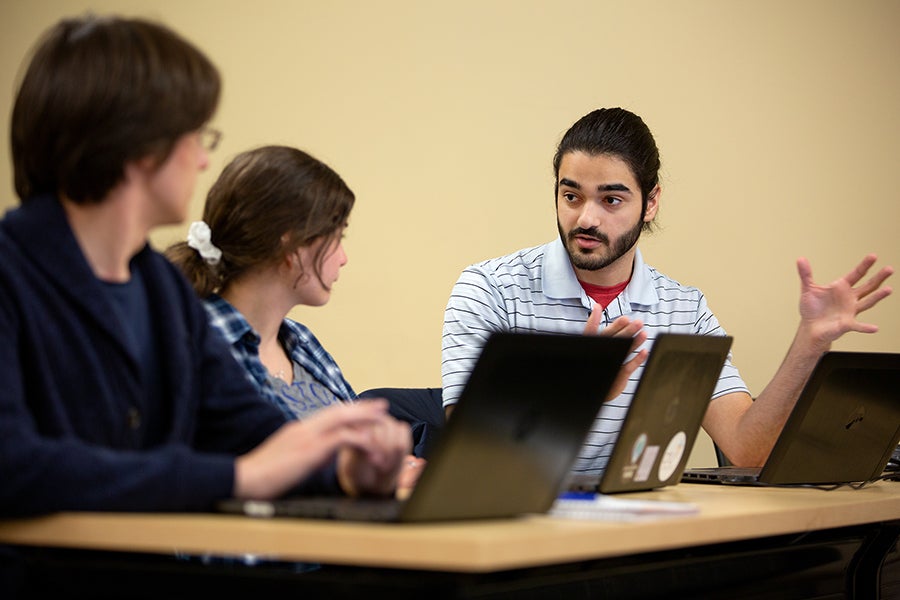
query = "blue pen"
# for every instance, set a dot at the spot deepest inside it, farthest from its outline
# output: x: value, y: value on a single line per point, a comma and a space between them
x: 575, y: 495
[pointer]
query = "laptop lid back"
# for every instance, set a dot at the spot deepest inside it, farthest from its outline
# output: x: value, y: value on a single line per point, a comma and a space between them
x: 845, y: 424
x: 666, y: 412
x: 517, y: 428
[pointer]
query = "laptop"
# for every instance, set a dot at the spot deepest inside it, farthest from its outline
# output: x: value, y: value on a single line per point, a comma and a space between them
x: 664, y: 417
x: 506, y: 450
x: 843, y: 429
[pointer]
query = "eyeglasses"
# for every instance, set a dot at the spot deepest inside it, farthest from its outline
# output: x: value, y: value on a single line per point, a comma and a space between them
x: 210, y: 138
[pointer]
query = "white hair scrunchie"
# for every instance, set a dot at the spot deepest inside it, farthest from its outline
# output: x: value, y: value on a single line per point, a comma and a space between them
x: 200, y: 239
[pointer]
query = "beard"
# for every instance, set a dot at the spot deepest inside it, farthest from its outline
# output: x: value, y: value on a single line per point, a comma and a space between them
x: 594, y: 260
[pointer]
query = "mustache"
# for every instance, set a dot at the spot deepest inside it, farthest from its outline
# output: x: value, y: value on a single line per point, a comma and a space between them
x: 592, y: 232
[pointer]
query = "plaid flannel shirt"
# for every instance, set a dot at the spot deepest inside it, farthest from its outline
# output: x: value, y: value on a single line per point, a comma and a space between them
x: 301, y: 345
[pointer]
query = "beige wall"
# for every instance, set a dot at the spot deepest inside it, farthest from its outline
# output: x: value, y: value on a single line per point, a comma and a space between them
x: 778, y: 124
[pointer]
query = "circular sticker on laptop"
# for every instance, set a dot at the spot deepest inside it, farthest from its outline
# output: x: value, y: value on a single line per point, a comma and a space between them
x: 638, y: 448
x: 672, y: 455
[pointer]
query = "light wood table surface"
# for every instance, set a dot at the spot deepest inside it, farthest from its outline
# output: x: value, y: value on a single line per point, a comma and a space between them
x: 725, y: 514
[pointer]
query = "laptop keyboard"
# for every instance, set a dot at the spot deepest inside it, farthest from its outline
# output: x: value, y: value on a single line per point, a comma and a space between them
x: 354, y: 509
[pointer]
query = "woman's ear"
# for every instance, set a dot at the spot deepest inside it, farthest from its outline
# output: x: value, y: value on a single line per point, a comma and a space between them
x: 293, y: 259
x: 290, y: 257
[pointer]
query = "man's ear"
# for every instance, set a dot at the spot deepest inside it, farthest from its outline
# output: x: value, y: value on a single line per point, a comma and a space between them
x: 652, y: 203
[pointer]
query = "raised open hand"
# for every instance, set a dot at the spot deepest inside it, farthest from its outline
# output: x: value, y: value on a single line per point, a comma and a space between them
x: 621, y: 327
x: 829, y: 311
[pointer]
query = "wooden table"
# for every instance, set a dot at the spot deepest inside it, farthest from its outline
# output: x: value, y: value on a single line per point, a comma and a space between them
x: 730, y: 521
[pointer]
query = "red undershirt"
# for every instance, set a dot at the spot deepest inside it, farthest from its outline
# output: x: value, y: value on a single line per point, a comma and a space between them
x: 602, y: 294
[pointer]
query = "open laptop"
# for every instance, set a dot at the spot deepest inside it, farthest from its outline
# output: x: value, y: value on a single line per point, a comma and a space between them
x: 843, y: 429
x: 519, y: 423
x: 664, y: 417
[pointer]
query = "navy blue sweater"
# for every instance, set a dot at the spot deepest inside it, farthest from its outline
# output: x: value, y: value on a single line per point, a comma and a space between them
x: 72, y: 432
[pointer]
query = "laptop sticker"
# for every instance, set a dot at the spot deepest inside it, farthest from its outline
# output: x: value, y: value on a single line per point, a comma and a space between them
x: 646, y: 465
x: 672, y: 455
x: 638, y: 447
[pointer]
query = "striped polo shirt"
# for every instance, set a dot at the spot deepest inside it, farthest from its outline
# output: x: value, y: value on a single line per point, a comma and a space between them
x: 536, y: 290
